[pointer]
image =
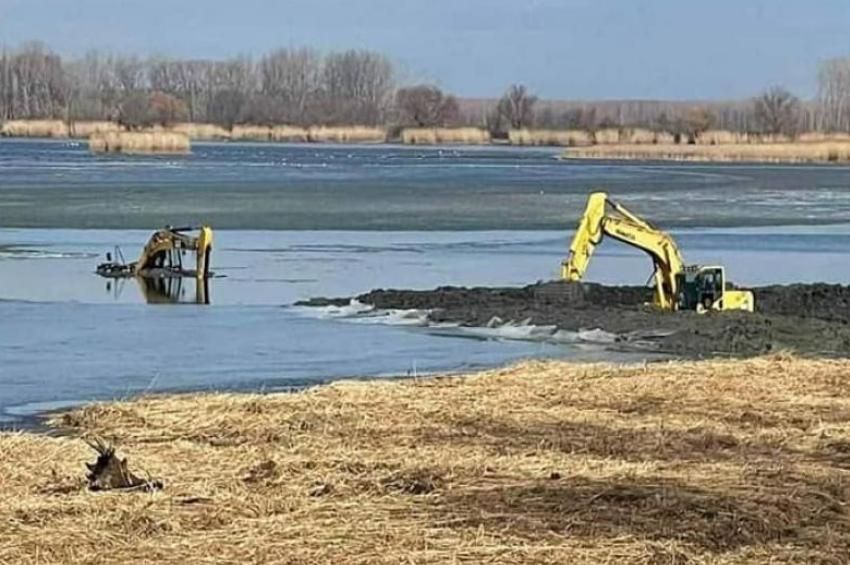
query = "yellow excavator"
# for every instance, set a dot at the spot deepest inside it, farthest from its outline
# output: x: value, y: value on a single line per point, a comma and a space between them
x: 162, y: 256
x: 677, y: 286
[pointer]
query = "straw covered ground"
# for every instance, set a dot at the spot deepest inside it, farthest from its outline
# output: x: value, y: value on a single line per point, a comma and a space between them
x: 544, y: 462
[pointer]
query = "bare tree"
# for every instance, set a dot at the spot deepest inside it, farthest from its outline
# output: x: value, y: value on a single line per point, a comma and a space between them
x: 227, y: 107
x: 425, y: 105
x: 165, y: 109
x: 516, y: 106
x: 289, y: 79
x: 777, y: 111
x: 35, y: 83
x: 697, y: 120
x: 129, y: 74
x: 357, y: 87
x: 834, y: 94
x: 6, y: 86
x: 134, y: 111
x: 229, y: 86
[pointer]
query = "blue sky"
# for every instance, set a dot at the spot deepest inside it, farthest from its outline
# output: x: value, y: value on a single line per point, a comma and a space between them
x: 671, y: 49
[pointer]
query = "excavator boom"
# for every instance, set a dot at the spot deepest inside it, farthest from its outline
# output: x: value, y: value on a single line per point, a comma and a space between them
x: 620, y: 224
x: 588, y: 235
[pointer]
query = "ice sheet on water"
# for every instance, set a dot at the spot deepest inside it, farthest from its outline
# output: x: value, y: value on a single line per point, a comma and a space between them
x: 531, y: 332
x: 358, y: 312
x: 597, y: 336
x: 28, y: 253
x: 353, y: 308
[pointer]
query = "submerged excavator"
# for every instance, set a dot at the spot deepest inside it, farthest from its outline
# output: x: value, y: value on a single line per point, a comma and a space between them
x: 677, y: 286
x: 162, y: 256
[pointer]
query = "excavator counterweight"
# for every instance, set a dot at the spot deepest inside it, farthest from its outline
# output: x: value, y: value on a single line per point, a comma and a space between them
x: 677, y: 286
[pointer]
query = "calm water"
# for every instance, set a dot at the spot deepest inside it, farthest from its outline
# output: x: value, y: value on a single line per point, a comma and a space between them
x: 338, y: 221
x: 244, y: 186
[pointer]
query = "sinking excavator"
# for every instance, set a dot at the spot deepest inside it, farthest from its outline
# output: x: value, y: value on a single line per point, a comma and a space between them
x: 162, y: 256
x: 677, y: 286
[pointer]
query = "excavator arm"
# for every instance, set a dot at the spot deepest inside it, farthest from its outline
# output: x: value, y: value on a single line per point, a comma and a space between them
x: 165, y: 247
x: 603, y: 217
x: 162, y: 256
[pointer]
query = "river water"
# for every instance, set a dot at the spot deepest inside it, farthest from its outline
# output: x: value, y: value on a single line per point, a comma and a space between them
x: 294, y: 222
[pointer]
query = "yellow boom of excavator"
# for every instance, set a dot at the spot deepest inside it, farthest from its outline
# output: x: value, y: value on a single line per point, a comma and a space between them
x: 677, y: 287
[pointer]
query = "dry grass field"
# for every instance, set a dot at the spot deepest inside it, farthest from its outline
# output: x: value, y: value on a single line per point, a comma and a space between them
x: 709, y: 462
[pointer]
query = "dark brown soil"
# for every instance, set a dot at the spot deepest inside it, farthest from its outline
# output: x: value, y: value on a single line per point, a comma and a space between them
x: 804, y: 318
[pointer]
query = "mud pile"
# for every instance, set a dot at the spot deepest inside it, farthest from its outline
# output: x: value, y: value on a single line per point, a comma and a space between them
x: 805, y: 318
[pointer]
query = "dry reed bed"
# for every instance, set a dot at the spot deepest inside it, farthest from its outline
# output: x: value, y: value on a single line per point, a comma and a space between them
x: 545, y: 462
x: 201, y: 132
x: 139, y: 142
x: 583, y: 138
x: 315, y: 134
x: 811, y: 152
x: 445, y: 136
x: 347, y: 134
x: 564, y: 138
x: 87, y: 129
x: 34, y: 128
x: 617, y: 143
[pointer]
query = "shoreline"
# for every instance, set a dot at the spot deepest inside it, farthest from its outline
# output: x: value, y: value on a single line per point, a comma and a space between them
x: 39, y: 421
x: 806, y: 319
x: 539, y: 462
x: 823, y: 153
x: 623, y: 143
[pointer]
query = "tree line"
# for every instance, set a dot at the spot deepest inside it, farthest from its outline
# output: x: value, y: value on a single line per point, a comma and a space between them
x: 306, y: 87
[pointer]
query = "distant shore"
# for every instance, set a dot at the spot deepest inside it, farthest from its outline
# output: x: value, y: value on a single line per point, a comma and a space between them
x: 609, y: 143
x: 790, y: 152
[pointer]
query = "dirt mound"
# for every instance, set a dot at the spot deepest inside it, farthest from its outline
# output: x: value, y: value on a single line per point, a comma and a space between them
x: 806, y: 318
x: 829, y: 302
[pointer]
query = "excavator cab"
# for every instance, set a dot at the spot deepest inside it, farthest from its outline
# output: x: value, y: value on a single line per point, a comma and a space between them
x: 701, y: 288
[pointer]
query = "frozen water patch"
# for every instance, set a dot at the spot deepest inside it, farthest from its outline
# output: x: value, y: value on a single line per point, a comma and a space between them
x: 20, y: 253
x: 512, y: 331
x: 350, y: 310
x: 496, y: 329
x: 357, y: 312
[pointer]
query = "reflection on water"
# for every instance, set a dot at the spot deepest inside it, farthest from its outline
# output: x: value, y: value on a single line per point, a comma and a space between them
x: 163, y: 290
